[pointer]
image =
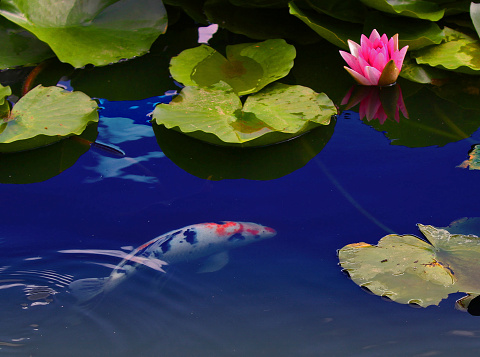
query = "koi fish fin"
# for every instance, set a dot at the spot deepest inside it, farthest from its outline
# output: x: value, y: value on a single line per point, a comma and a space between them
x: 86, y: 289
x: 214, y: 262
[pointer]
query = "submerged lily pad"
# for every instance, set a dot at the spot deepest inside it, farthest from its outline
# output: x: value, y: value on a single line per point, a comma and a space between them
x: 407, y: 269
x: 96, y: 32
x: 46, y: 115
x: 460, y: 52
x: 215, y: 114
x: 248, y: 67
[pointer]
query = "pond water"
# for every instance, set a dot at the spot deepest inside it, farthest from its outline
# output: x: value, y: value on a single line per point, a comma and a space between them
x: 284, y: 296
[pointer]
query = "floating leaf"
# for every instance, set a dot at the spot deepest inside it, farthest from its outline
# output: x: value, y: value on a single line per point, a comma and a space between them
x: 248, y: 67
x: 46, y: 115
x: 334, y: 31
x: 4, y: 92
x: 96, y: 32
x: 345, y: 10
x: 421, y: 73
x: 460, y: 52
x: 19, y: 46
x: 413, y: 33
x: 407, y: 269
x: 473, y: 162
x: 475, y: 16
x: 425, y: 10
x: 215, y: 114
x: 259, y: 23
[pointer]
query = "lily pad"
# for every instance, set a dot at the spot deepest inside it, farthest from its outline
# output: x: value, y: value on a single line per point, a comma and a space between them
x: 46, y: 115
x: 97, y: 32
x: 215, y: 114
x: 345, y: 10
x: 425, y: 10
x: 333, y: 30
x: 19, y: 46
x: 460, y: 52
x: 473, y: 161
x: 4, y: 92
x: 407, y: 269
x: 248, y: 67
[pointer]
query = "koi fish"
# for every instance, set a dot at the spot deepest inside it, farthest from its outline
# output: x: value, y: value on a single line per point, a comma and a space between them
x: 210, y: 240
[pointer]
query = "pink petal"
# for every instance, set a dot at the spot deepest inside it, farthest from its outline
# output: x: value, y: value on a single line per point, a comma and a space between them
x: 399, y: 57
x: 384, y: 39
x: 351, y: 61
x: 395, y: 42
x: 374, y: 36
x: 354, y: 48
x: 365, y: 42
x: 347, y: 96
x: 380, y: 62
x: 358, y: 77
x: 372, y: 74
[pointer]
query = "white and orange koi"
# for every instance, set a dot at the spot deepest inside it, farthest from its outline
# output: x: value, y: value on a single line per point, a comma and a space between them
x: 204, y: 240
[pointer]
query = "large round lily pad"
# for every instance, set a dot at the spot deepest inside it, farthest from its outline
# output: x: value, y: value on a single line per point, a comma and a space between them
x: 407, y: 269
x: 215, y: 114
x: 247, y: 68
x: 46, y: 115
x: 95, y: 31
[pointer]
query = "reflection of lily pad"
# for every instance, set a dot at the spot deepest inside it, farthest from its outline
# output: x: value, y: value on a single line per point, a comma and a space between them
x: 248, y: 67
x: 432, y: 121
x: 97, y: 32
x: 46, y: 115
x: 43, y: 163
x: 407, y: 269
x: 217, y: 163
x: 215, y: 114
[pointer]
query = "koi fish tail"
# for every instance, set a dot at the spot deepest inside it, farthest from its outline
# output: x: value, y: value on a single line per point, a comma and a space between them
x: 86, y: 289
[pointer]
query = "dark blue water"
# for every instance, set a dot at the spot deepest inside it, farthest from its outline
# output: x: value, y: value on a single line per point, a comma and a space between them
x: 285, y: 296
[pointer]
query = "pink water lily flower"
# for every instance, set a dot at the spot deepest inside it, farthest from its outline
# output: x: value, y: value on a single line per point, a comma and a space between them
x: 376, y: 61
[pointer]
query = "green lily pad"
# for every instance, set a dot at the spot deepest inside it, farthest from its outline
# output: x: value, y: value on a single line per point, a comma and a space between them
x: 46, y: 162
x: 407, y: 269
x: 425, y: 10
x: 98, y: 32
x: 335, y: 31
x: 419, y: 73
x: 19, y: 46
x: 473, y: 161
x: 215, y: 114
x: 345, y: 10
x: 259, y: 23
x: 4, y: 93
x: 412, y: 32
x: 248, y: 67
x: 475, y: 16
x: 460, y: 52
x: 46, y: 115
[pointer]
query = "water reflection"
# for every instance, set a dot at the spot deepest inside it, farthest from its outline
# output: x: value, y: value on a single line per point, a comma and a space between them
x: 380, y: 103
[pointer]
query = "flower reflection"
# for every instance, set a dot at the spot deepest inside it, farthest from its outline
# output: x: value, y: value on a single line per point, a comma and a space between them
x: 377, y: 102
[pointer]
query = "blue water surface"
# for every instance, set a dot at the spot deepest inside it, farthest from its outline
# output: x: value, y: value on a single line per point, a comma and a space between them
x: 284, y: 296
